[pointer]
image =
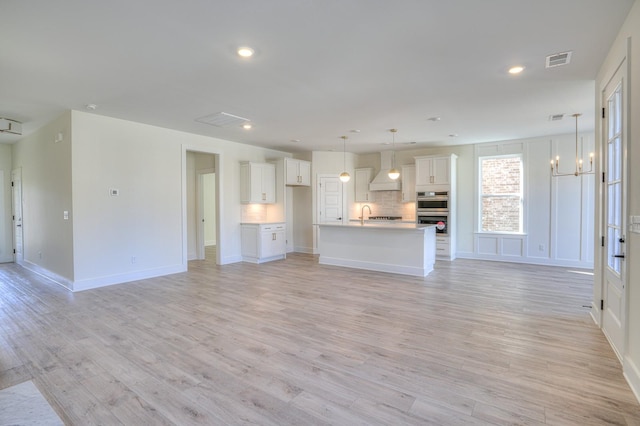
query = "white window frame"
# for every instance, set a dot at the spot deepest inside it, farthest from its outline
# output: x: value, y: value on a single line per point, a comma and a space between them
x: 481, y: 196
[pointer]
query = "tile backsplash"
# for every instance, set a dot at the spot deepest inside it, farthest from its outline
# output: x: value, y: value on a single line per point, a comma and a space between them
x: 387, y: 203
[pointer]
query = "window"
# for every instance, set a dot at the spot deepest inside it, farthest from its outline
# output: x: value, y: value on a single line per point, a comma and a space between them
x: 501, y: 194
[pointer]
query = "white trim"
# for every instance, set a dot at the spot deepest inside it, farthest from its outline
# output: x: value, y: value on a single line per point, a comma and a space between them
x: 526, y: 260
x: 631, y: 373
x: 58, y: 279
x: 230, y: 259
x: 374, y: 266
x: 128, y: 277
x: 299, y: 249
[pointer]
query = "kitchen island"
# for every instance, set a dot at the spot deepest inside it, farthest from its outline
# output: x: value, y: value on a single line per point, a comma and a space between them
x: 400, y: 248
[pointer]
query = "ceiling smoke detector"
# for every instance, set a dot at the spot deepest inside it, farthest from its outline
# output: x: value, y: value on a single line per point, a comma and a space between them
x: 556, y: 117
x: 558, y: 59
x: 223, y: 119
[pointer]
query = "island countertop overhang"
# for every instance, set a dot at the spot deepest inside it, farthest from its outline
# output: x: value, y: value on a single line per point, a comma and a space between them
x: 396, y: 226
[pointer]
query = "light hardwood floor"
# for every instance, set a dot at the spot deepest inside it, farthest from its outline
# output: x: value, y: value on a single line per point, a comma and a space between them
x: 294, y: 342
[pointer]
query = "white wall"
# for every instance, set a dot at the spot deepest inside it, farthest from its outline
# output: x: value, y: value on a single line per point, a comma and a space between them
x: 139, y: 233
x: 46, y: 193
x: 6, y: 231
x: 629, y: 36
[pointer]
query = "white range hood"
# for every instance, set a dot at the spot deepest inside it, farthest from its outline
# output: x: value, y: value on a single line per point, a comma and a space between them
x: 382, y: 181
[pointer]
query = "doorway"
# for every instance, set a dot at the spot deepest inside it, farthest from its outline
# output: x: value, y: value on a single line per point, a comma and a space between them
x: 201, y: 206
x: 330, y: 190
x: 614, y: 149
x: 16, y: 205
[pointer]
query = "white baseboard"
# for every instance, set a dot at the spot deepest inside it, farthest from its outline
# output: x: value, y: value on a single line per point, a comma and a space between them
x: 631, y: 372
x: 230, y: 259
x: 127, y: 277
x: 527, y: 260
x: 52, y: 276
x: 299, y: 249
x: 374, y: 266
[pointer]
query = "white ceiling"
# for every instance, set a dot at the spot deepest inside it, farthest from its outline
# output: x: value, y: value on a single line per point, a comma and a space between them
x: 321, y: 68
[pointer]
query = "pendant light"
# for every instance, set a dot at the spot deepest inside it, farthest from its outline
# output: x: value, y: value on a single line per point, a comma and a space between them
x: 393, y: 172
x: 344, y: 176
x: 555, y: 164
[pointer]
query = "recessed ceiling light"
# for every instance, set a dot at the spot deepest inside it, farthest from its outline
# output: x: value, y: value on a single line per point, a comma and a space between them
x: 295, y: 140
x: 453, y: 135
x: 355, y: 131
x: 91, y: 107
x: 247, y: 126
x: 516, y: 69
x: 245, y: 52
x: 434, y: 118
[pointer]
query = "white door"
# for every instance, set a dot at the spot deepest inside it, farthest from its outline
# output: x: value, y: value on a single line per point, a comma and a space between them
x: 330, y: 200
x: 16, y: 196
x: 614, y: 280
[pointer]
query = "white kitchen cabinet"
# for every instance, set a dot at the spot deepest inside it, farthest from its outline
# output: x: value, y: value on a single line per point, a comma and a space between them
x: 444, y: 247
x: 257, y: 183
x: 435, y: 173
x: 297, y: 172
x: 408, y: 183
x: 263, y: 242
x: 361, y: 181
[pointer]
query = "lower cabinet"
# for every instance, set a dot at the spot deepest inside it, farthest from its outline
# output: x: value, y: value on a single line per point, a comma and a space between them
x: 263, y: 242
x: 444, y: 250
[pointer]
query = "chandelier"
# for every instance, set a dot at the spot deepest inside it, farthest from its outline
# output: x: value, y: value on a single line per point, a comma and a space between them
x: 555, y: 164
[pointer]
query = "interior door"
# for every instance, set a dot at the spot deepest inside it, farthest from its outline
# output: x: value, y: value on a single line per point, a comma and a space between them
x: 330, y: 200
x: 614, y: 217
x: 16, y: 197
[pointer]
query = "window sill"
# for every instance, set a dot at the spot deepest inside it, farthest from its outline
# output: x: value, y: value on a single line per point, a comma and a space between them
x: 515, y: 234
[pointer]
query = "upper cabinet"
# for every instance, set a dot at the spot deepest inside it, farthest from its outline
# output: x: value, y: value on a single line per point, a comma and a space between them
x: 435, y: 172
x: 297, y: 172
x: 257, y: 183
x: 362, y: 180
x: 408, y: 183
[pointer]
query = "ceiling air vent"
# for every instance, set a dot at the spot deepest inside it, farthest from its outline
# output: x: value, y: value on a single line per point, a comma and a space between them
x: 556, y: 117
x: 8, y: 125
x: 222, y: 119
x: 558, y: 59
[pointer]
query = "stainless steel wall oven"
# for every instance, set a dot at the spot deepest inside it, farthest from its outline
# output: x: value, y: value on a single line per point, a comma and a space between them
x: 432, y: 208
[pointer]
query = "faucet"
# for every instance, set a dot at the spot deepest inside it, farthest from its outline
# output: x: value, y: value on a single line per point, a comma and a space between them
x: 362, y: 213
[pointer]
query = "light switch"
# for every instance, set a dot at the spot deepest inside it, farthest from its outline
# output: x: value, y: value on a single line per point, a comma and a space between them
x: 65, y: 215
x: 634, y: 224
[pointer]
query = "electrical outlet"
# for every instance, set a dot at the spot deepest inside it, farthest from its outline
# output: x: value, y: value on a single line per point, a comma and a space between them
x: 541, y: 247
x: 133, y: 259
x: 39, y: 255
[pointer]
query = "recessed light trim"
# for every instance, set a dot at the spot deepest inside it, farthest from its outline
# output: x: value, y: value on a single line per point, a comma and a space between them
x: 434, y: 119
x: 516, y: 69
x: 247, y: 126
x: 245, y: 52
